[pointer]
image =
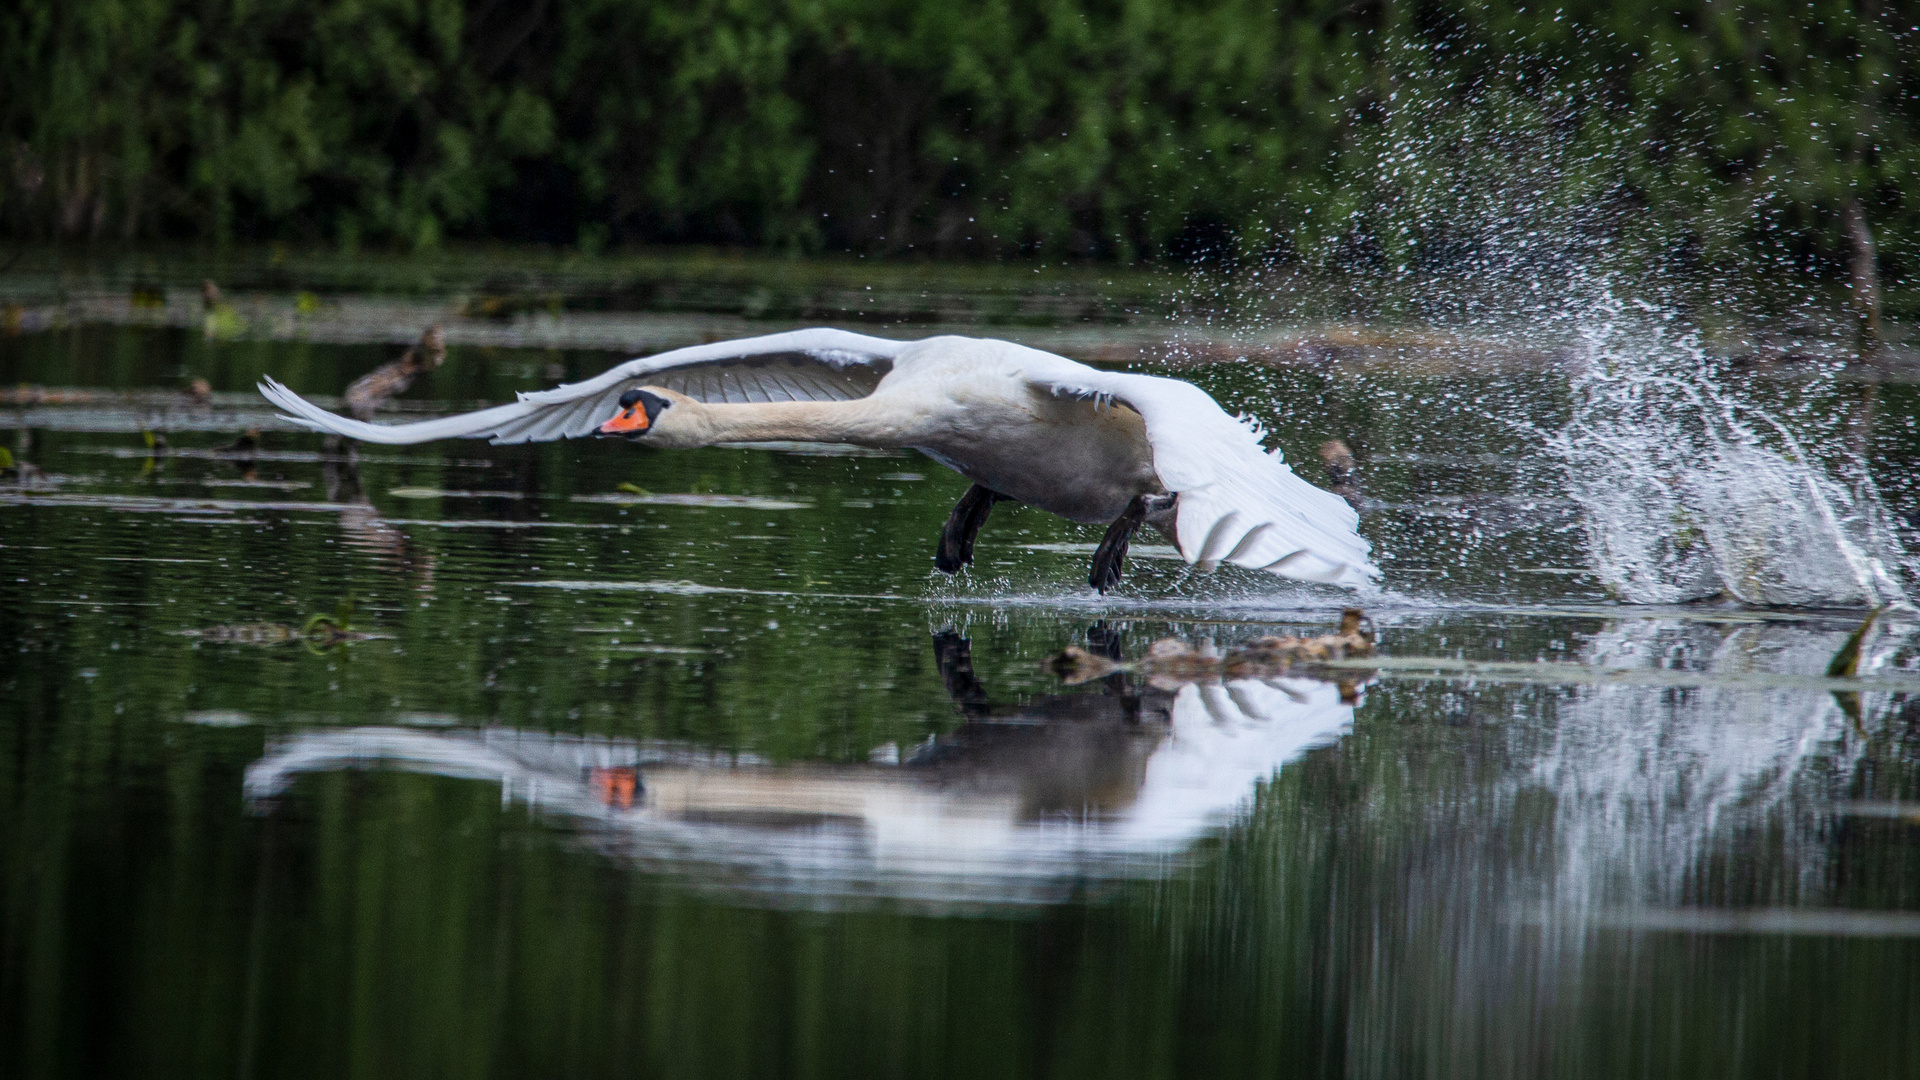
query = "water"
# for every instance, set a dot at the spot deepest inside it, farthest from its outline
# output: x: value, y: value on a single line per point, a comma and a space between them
x: 714, y: 777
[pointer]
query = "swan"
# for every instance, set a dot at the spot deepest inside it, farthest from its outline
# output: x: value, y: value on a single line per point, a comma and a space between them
x: 1097, y: 447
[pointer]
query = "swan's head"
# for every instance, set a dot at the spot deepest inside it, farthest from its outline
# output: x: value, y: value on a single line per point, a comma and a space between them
x: 638, y: 410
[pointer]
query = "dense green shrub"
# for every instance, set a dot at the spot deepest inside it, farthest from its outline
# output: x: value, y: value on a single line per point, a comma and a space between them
x: 1143, y: 128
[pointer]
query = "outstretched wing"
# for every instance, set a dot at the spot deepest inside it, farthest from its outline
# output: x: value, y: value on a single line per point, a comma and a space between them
x: 800, y: 365
x: 1238, y: 503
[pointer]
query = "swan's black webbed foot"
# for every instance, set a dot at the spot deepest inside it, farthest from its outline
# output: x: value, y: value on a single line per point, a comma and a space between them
x: 1110, y: 556
x: 956, y: 540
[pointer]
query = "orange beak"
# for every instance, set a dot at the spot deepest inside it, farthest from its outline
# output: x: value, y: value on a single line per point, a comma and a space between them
x: 628, y: 422
x: 615, y: 787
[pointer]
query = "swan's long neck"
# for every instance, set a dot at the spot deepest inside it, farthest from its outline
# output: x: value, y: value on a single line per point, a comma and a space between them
x: 701, y: 424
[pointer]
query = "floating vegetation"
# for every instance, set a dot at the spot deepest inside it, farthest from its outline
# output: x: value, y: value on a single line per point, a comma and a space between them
x: 242, y: 482
x: 150, y: 559
x: 17, y: 471
x: 1846, y: 662
x: 496, y: 303
x: 221, y: 321
x: 258, y: 633
x: 493, y: 523
x: 319, y: 633
x: 690, y: 588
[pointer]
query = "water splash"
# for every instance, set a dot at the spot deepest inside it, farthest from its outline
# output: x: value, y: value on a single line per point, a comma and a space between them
x: 1500, y: 211
x: 1690, y: 491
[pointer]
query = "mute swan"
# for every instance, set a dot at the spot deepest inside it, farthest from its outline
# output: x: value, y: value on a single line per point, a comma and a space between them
x: 1097, y: 447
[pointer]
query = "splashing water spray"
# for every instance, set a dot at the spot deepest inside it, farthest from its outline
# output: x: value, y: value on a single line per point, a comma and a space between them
x: 1689, y: 492
x: 1501, y: 212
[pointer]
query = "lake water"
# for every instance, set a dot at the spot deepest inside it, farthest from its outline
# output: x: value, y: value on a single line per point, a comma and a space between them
x: 686, y: 764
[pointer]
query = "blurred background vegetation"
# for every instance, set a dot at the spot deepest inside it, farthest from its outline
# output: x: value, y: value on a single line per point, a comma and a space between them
x: 1152, y: 129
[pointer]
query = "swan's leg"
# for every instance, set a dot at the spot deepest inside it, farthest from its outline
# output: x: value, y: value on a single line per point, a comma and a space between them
x: 956, y: 540
x: 1155, y: 510
x: 1162, y: 510
x: 1112, y: 552
x: 953, y: 654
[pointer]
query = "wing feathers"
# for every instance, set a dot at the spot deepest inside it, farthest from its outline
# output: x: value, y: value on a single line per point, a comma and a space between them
x: 1250, y: 542
x: 801, y: 365
x: 1218, y: 537
x: 1238, y: 502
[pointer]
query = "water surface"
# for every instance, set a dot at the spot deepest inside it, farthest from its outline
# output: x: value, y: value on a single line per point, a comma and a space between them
x: 686, y: 764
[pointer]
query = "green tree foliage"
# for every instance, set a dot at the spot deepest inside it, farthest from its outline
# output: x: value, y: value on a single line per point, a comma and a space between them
x: 1088, y: 127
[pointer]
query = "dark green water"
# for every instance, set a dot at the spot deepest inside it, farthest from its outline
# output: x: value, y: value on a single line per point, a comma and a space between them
x: 731, y: 785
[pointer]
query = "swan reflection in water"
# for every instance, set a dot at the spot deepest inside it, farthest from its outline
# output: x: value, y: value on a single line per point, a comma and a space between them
x: 1019, y: 804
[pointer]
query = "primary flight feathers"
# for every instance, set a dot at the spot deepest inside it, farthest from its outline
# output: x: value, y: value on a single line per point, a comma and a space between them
x: 726, y: 370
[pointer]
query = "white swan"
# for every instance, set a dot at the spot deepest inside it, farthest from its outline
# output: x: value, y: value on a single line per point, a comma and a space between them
x: 1095, y: 446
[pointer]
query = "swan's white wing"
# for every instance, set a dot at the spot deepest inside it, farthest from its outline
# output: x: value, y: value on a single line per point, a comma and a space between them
x: 800, y: 365
x: 1238, y: 502
x: 1228, y: 739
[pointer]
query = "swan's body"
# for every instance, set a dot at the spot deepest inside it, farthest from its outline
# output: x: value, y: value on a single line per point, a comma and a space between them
x: 1090, y: 445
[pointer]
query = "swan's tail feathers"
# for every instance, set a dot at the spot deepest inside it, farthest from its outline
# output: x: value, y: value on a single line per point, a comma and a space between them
x: 473, y: 425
